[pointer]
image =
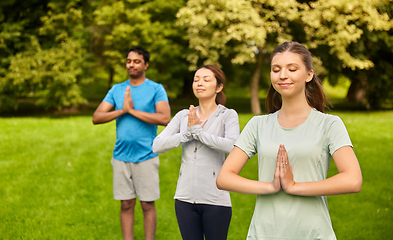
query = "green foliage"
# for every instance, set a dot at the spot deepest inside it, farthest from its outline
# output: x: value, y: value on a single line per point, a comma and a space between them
x: 242, y: 28
x: 56, y: 182
x: 351, y: 39
x: 53, y: 77
x: 53, y: 68
x: 118, y: 25
x: 334, y: 31
x: 337, y: 24
x: 354, y: 39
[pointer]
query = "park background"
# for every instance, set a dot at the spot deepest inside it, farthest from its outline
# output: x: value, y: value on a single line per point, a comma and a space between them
x: 59, y: 58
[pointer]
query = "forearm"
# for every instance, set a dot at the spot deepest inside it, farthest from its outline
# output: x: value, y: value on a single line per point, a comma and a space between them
x: 212, y: 141
x: 152, y: 118
x: 217, y: 143
x: 171, y: 137
x: 348, y: 180
x: 231, y: 181
x: 162, y: 144
x: 225, y: 143
x: 104, y: 117
x: 342, y: 183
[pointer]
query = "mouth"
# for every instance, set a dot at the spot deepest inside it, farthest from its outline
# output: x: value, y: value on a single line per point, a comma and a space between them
x: 285, y: 84
x: 200, y: 90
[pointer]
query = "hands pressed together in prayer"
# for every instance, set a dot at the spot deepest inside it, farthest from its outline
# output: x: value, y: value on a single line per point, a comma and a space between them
x: 128, y: 104
x: 283, y: 176
x: 193, y: 118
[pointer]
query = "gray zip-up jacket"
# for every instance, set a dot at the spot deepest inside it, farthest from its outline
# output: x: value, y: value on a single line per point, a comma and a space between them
x: 203, y: 153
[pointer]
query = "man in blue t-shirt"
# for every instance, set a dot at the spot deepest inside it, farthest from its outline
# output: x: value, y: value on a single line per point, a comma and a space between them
x: 140, y: 105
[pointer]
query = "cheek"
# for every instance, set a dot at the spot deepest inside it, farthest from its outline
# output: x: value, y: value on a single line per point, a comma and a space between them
x: 194, y: 86
x: 273, y: 77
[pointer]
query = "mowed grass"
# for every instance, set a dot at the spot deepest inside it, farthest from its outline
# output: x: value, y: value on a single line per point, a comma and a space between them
x: 56, y: 182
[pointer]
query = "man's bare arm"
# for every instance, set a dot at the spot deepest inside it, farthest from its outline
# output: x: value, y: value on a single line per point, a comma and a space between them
x: 103, y: 113
x: 162, y: 116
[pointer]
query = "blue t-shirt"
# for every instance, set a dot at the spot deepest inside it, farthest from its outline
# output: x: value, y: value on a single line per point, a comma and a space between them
x: 134, y: 138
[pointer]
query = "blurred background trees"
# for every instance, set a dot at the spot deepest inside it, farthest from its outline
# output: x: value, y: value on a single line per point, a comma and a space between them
x: 55, y: 54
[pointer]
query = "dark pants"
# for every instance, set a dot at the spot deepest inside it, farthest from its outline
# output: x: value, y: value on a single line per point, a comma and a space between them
x: 198, y: 220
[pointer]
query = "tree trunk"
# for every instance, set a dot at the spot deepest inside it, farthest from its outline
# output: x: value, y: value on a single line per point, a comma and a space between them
x: 187, y: 88
x: 358, y: 89
x: 255, y: 104
x: 111, y: 75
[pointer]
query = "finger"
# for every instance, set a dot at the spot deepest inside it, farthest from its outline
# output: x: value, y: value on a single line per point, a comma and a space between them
x: 282, y: 166
x: 282, y: 155
x: 278, y: 163
x: 196, y: 117
x: 285, y: 155
x: 190, y: 117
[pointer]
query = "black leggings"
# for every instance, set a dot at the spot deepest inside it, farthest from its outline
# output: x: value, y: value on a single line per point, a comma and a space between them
x: 198, y: 220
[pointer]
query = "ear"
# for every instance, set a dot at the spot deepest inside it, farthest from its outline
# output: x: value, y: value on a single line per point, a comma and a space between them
x: 146, y: 65
x: 219, y: 88
x: 310, y: 76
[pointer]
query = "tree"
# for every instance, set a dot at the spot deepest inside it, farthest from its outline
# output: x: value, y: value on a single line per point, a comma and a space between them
x: 118, y: 25
x: 354, y: 38
x: 19, y: 21
x: 62, y: 45
x: 52, y: 65
x: 246, y: 30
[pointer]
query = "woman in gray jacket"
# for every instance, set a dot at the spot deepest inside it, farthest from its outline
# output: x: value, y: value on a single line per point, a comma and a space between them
x: 207, y: 133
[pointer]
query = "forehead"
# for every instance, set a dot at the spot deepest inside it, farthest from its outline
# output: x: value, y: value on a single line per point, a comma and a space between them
x: 204, y: 72
x: 134, y: 56
x: 286, y: 58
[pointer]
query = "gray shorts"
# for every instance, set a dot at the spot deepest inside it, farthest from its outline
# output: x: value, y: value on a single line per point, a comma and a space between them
x: 136, y: 179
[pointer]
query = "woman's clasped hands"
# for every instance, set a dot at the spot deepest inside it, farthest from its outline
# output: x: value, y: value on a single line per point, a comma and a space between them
x: 283, y: 176
x: 193, y: 118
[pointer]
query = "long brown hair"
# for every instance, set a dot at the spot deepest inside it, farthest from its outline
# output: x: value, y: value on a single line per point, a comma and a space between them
x: 220, y: 76
x: 315, y: 95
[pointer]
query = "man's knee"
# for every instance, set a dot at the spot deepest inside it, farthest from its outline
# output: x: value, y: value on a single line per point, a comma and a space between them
x: 127, y: 205
x: 148, y: 206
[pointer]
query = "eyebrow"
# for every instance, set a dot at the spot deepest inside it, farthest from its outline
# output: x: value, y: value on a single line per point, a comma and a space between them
x: 203, y: 76
x: 290, y: 64
x: 134, y: 59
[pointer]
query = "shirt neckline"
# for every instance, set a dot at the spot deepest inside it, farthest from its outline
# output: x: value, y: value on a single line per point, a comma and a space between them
x: 297, y: 127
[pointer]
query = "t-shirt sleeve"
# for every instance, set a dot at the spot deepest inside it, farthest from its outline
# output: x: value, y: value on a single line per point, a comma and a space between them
x: 247, y: 140
x: 338, y: 135
x: 109, y: 96
x: 160, y: 94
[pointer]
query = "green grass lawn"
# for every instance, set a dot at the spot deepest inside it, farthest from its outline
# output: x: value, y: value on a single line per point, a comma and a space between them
x: 56, y: 182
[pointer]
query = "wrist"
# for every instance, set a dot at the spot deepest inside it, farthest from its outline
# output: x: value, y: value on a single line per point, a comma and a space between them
x: 131, y: 111
x: 292, y: 188
x: 274, y: 188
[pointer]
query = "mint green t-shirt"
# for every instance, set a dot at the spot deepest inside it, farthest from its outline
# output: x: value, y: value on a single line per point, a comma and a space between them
x: 310, y: 147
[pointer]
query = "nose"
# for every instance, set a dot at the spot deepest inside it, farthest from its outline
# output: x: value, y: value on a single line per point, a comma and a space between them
x: 283, y: 74
x: 130, y: 64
